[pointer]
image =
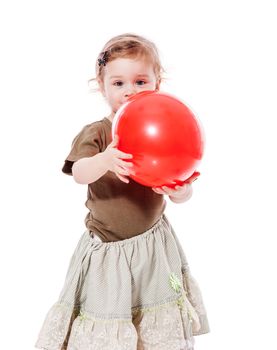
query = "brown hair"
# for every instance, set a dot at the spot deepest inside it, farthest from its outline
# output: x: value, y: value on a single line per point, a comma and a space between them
x: 128, y: 46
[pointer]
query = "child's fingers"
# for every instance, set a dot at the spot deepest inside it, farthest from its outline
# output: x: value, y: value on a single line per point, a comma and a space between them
x: 158, y: 190
x: 123, y: 155
x: 122, y: 178
x: 192, y: 178
x: 122, y: 171
x: 117, y: 152
x: 124, y: 164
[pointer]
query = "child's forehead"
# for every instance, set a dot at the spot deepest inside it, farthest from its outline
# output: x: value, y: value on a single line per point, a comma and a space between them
x: 128, y: 66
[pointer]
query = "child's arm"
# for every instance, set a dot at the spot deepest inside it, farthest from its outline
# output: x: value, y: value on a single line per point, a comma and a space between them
x: 90, y: 169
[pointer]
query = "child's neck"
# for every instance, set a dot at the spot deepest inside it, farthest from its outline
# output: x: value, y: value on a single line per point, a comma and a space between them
x: 111, y: 116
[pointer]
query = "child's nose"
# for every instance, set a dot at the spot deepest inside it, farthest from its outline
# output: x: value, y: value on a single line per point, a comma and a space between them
x: 130, y: 90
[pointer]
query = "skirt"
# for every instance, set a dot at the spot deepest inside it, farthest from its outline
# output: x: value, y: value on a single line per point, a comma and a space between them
x: 133, y: 294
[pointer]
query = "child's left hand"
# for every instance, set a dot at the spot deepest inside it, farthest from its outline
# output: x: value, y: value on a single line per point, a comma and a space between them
x: 180, y: 193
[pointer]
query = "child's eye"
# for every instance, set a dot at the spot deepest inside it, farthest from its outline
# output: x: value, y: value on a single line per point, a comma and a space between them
x: 141, y: 82
x: 118, y: 83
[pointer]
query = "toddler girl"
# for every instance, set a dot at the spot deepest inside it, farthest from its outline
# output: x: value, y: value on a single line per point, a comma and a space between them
x: 128, y: 284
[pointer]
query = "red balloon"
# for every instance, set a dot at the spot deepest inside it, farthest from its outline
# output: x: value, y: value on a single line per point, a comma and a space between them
x: 163, y: 135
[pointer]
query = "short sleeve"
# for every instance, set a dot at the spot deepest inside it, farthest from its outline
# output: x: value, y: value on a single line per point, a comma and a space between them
x: 86, y: 144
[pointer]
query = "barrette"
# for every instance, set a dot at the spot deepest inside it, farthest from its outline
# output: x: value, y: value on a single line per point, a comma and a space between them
x: 104, y: 59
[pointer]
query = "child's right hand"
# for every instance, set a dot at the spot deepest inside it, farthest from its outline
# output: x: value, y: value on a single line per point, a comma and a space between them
x: 114, y: 160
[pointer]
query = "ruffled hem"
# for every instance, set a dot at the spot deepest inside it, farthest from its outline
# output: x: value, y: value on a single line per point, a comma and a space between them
x: 195, y: 304
x: 164, y: 327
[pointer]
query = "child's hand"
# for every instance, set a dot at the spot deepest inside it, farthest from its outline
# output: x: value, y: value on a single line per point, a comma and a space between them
x: 177, y: 194
x: 114, y: 161
x: 180, y: 193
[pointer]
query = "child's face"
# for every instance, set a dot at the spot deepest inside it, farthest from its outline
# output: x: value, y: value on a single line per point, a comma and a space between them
x: 125, y: 77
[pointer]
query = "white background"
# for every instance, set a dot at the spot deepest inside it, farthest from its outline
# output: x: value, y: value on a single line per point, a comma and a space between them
x: 220, y: 58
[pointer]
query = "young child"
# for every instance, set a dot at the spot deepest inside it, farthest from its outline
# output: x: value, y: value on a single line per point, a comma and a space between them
x: 128, y: 284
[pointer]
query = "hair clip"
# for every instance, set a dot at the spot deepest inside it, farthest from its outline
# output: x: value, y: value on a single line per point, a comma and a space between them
x: 104, y: 59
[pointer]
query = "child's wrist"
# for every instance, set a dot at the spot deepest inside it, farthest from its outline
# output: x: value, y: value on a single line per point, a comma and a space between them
x: 104, y: 161
x: 182, y: 197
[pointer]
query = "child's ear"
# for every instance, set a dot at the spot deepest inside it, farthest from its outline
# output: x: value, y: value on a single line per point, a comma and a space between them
x: 158, y: 84
x: 101, y: 87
